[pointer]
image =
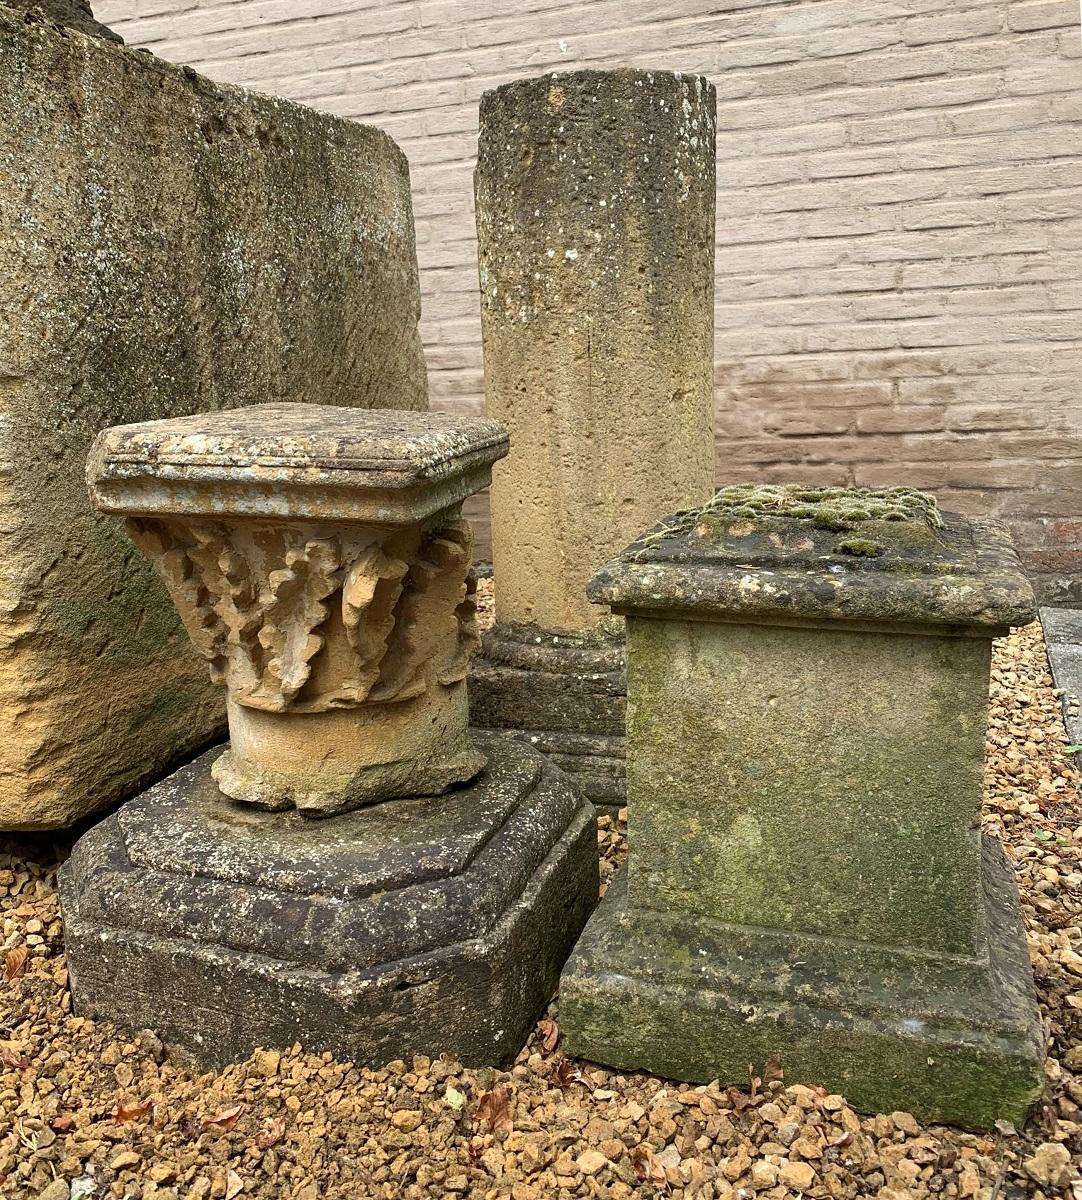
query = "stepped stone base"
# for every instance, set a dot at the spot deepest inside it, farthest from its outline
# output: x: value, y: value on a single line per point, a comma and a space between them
x: 946, y: 1037
x: 413, y: 926
x: 1063, y: 637
x: 562, y: 694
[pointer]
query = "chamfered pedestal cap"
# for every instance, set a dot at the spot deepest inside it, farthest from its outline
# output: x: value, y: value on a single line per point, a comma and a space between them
x: 295, y: 461
x: 781, y: 553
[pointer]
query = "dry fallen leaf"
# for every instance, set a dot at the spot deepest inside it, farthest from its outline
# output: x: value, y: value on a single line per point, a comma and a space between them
x: 132, y: 1112
x: 495, y: 1108
x: 190, y: 1127
x: 648, y: 1166
x: 226, y: 1119
x: 772, y: 1071
x: 271, y: 1133
x: 10, y: 1058
x: 15, y: 962
x: 550, y: 1034
x: 62, y: 1123
x: 566, y: 1072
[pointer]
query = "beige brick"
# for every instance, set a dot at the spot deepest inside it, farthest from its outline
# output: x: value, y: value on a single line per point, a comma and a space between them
x: 920, y: 419
x: 1043, y: 14
x: 953, y: 26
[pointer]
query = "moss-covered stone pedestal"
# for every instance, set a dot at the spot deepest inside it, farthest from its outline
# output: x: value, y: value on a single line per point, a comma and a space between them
x: 807, y: 682
x: 320, y: 564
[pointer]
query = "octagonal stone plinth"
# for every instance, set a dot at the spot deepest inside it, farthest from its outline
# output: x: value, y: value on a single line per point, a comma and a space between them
x: 413, y: 926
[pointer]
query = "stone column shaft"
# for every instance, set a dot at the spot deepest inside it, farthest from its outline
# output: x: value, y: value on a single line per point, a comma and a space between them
x: 595, y: 221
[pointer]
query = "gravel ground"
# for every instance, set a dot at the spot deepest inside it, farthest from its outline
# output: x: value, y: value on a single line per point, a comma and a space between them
x: 87, y: 1112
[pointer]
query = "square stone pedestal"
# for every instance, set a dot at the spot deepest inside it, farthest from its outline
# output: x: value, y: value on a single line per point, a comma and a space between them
x: 807, y: 697
x: 413, y: 926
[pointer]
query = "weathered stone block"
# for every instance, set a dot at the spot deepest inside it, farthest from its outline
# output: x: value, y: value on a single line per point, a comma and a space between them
x: 414, y: 926
x: 171, y: 245
x: 562, y: 693
x: 807, y: 699
x: 950, y: 1038
x: 869, y: 746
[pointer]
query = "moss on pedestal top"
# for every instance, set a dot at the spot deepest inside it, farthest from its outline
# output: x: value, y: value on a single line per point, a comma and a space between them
x: 777, y: 552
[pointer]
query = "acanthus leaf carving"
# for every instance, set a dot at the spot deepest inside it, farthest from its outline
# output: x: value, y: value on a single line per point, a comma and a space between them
x: 292, y: 603
x: 258, y: 601
x: 186, y: 588
x: 436, y: 586
x: 457, y: 553
x: 370, y: 595
x: 233, y: 596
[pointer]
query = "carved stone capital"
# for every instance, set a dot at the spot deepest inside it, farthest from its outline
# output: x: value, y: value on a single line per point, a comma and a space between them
x: 343, y: 642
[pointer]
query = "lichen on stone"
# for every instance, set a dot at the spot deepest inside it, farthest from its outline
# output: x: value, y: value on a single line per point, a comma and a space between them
x: 826, y: 507
x: 837, y: 509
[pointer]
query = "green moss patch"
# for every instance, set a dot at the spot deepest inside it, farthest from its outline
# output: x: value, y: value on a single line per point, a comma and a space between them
x: 827, y: 508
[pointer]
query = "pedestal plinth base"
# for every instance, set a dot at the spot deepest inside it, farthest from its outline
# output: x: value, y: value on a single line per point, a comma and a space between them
x: 944, y: 1037
x: 562, y: 694
x: 412, y: 926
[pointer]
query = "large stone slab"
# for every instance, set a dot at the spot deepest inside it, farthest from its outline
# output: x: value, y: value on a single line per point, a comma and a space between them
x: 171, y: 245
x: 414, y: 926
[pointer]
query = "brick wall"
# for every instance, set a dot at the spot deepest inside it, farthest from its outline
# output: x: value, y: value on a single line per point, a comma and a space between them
x: 899, y: 288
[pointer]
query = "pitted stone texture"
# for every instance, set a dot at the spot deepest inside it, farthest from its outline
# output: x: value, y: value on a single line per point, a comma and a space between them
x: 410, y: 927
x: 296, y: 461
x: 563, y: 694
x: 170, y: 245
x: 595, y: 221
x: 955, y: 1038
